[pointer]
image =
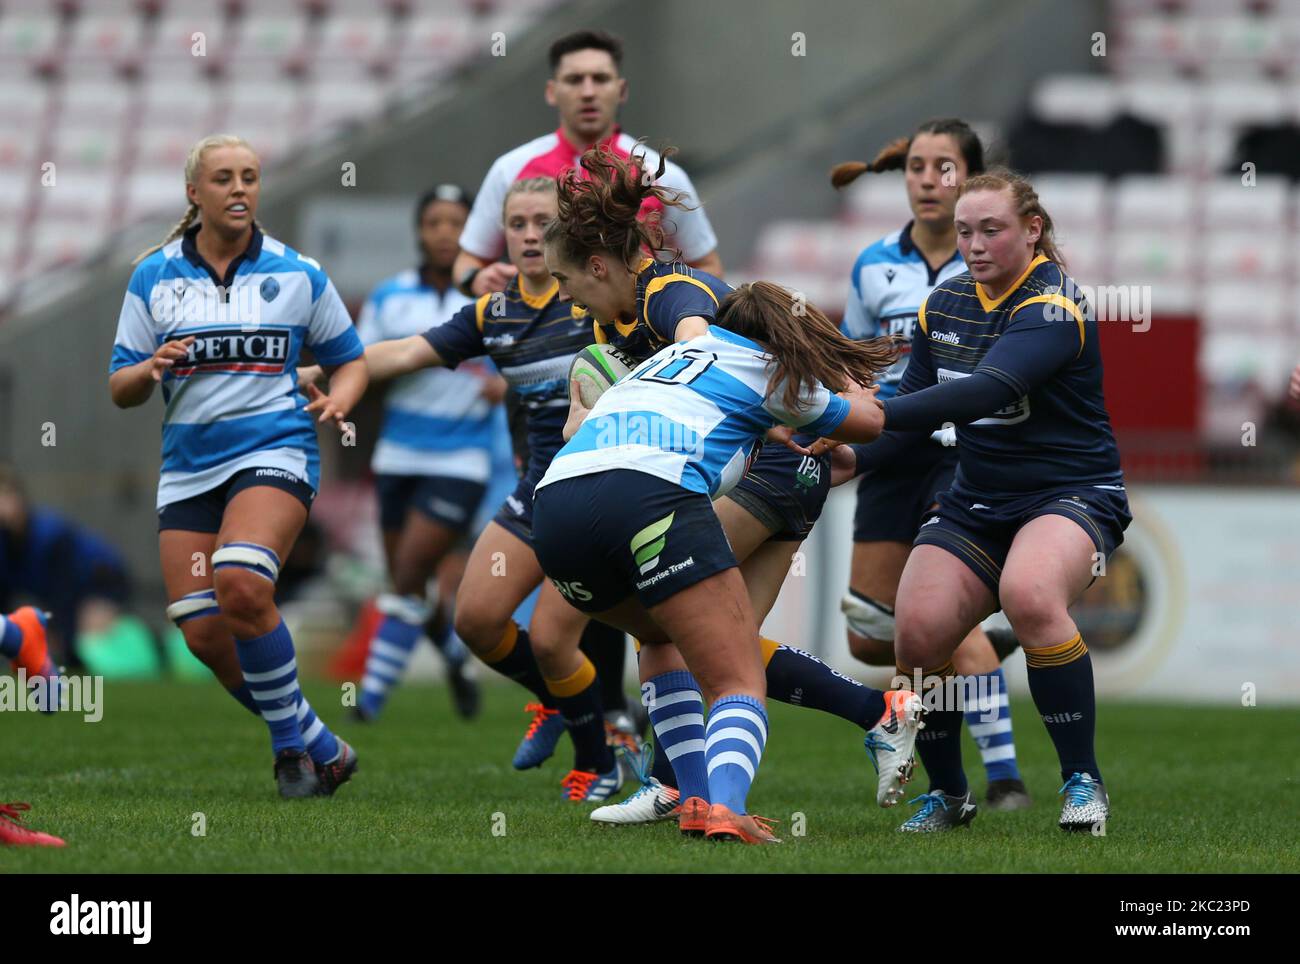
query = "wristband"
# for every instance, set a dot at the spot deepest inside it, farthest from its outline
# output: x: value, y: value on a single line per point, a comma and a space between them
x: 466, y: 282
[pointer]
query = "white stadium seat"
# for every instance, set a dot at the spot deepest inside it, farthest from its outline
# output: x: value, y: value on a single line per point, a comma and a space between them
x: 1077, y: 99
x: 1151, y: 201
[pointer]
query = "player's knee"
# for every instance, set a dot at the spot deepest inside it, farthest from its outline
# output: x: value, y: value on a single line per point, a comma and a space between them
x: 918, y: 639
x: 481, y: 627
x: 243, y: 596
x: 1029, y: 606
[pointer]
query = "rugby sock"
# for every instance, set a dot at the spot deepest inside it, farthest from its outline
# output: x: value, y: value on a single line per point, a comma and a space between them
x: 245, y: 697
x: 513, y: 658
x: 578, y: 699
x: 11, y: 638
x: 733, y: 747
x: 391, y: 648
x: 989, y: 722
x: 440, y: 629
x: 939, y: 744
x: 271, y: 673
x: 1060, y: 680
x: 801, y: 679
x: 322, y: 745
x: 676, y: 708
x: 607, y: 648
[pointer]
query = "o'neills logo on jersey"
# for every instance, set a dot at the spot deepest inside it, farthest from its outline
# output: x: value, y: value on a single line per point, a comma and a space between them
x: 264, y: 352
x: 947, y: 337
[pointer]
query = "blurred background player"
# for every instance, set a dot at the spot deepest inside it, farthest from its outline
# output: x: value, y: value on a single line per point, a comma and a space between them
x: 890, y: 280
x: 74, y: 574
x: 217, y: 314
x: 432, y: 462
x: 1039, y: 497
x: 586, y: 89
x: 531, y: 335
x: 598, y: 249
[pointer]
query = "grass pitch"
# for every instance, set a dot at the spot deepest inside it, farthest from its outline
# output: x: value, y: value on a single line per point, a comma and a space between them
x: 1192, y: 790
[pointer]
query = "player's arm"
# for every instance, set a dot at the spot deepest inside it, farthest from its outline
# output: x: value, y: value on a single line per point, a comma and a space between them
x: 138, y: 361
x: 851, y: 416
x: 711, y: 262
x: 347, y: 383
x: 681, y: 309
x: 132, y: 385
x: 477, y: 270
x: 1039, y: 340
x: 400, y: 356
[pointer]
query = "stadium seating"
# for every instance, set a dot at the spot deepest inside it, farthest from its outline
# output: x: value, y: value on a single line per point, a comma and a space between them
x: 114, y: 93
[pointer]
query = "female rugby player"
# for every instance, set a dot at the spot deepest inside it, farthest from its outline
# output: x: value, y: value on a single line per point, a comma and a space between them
x: 597, y: 248
x: 218, y: 315
x: 625, y: 527
x: 890, y: 280
x: 1008, y: 352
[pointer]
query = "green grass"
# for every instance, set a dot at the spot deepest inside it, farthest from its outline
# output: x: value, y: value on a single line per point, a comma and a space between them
x: 1193, y: 789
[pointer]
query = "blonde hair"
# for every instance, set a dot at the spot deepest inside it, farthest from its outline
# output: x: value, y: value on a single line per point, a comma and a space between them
x: 529, y: 185
x: 1026, y: 201
x: 193, y: 162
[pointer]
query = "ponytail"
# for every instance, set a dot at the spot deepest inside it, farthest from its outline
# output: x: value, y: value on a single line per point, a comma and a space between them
x: 1027, y: 205
x: 602, y: 212
x: 893, y: 156
x: 193, y: 162
x: 805, y: 345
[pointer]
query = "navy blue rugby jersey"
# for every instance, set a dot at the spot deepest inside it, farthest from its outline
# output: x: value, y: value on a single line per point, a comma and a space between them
x: 666, y: 292
x: 1034, y: 349
x: 532, y: 340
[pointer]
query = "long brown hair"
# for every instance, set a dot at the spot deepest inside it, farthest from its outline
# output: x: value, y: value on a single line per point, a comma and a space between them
x: 893, y: 156
x: 601, y: 213
x: 1027, y: 204
x: 806, y: 346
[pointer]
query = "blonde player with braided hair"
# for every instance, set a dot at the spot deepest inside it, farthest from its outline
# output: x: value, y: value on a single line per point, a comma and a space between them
x: 217, y: 314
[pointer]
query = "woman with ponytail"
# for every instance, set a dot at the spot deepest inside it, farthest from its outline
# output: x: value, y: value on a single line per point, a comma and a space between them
x: 217, y: 315
x: 643, y: 299
x: 625, y: 528
x: 1007, y: 352
x: 903, y: 474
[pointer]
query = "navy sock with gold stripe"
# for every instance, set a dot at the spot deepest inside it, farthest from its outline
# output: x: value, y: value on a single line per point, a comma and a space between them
x: 1060, y: 680
x: 939, y: 744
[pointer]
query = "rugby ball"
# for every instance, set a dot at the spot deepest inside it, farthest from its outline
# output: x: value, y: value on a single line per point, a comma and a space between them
x: 596, y: 368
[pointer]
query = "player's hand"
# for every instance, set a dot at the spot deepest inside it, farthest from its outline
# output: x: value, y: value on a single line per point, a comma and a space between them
x: 577, y: 411
x: 844, y: 463
x: 167, y: 355
x: 494, y: 277
x: 308, y: 375
x: 785, y: 435
x: 493, y: 388
x: 328, y: 408
x: 1295, y: 383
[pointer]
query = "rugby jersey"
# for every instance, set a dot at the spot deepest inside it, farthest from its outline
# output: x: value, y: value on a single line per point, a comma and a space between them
x: 532, y: 340
x: 436, y: 421
x: 1034, y: 349
x: 890, y: 280
x: 693, y: 414
x: 666, y: 292
x: 553, y: 154
x: 233, y: 403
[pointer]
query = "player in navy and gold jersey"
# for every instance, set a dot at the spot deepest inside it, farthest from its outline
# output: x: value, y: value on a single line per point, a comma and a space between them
x: 531, y: 336
x: 1008, y: 352
x: 890, y: 280
x: 600, y: 250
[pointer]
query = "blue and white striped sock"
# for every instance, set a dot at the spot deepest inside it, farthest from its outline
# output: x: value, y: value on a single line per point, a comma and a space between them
x: 391, y: 648
x: 733, y: 747
x: 271, y: 673
x: 11, y: 638
x: 322, y: 745
x: 993, y: 736
x: 676, y: 708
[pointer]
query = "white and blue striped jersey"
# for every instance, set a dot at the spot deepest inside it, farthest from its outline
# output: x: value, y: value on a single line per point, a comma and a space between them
x: 692, y: 414
x: 233, y: 403
x: 436, y: 421
x: 889, y: 283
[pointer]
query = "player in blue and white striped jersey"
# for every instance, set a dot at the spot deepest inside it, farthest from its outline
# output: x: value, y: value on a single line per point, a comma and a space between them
x: 218, y: 314
x: 432, y: 462
x: 891, y: 279
x: 625, y: 527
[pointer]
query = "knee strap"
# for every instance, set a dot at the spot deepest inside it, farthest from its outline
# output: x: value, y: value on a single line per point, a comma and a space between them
x: 409, y: 609
x: 193, y: 605
x: 250, y: 556
x: 868, y: 617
